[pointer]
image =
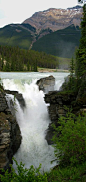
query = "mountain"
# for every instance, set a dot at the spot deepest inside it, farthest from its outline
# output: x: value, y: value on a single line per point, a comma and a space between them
x: 55, y: 19
x: 54, y: 31
x: 60, y: 43
x: 17, y: 35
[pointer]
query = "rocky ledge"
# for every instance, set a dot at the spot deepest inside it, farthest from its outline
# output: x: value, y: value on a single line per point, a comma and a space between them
x: 10, y: 135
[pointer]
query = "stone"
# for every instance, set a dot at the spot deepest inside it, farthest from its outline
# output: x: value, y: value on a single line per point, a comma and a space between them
x: 46, y: 84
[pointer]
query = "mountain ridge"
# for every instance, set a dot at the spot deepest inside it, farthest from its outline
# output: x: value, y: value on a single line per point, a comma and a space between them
x: 55, y: 19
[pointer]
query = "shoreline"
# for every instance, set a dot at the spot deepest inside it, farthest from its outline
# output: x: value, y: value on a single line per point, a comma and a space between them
x: 46, y: 70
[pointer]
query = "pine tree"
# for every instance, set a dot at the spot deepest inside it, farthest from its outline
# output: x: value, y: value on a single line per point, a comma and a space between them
x: 72, y: 67
x: 35, y: 66
x: 81, y: 52
x: 28, y: 66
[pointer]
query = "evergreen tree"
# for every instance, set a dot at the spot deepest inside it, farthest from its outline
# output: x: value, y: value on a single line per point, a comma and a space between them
x: 35, y: 66
x: 7, y: 67
x: 72, y: 66
x: 13, y: 64
x: 28, y: 66
x: 81, y: 52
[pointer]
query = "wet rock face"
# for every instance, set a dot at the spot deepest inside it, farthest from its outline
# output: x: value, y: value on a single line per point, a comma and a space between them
x: 10, y: 135
x: 3, y: 104
x: 46, y: 84
x: 18, y: 96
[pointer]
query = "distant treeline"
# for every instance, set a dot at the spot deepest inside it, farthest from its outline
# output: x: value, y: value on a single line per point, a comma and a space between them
x: 16, y: 59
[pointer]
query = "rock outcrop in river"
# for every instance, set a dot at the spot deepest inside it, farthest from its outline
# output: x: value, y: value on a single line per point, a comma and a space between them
x: 46, y: 84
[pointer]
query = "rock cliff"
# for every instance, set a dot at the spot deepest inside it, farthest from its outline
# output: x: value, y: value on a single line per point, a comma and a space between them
x: 10, y: 135
x: 59, y: 101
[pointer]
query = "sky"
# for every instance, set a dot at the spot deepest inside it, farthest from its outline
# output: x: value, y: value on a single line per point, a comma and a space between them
x: 16, y: 11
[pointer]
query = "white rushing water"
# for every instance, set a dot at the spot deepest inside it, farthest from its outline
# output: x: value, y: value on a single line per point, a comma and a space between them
x: 34, y: 119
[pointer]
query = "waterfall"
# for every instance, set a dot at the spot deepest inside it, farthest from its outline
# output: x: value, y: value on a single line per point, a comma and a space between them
x: 33, y: 121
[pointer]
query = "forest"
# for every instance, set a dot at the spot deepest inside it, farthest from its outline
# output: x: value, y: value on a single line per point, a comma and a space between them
x: 16, y: 59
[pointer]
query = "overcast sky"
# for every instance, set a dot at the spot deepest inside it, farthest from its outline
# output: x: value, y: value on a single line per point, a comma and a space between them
x: 16, y: 11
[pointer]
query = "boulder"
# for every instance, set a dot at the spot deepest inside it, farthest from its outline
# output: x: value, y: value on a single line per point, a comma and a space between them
x: 46, y: 84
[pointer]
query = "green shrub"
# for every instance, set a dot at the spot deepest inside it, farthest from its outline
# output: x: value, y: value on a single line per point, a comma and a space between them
x: 68, y: 174
x: 70, y: 146
x: 72, y: 85
x: 23, y: 174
